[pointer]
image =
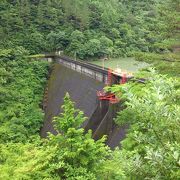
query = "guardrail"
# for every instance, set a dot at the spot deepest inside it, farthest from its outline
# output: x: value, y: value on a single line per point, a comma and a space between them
x: 94, y: 71
x: 85, y: 64
x: 87, y: 69
x: 79, y: 62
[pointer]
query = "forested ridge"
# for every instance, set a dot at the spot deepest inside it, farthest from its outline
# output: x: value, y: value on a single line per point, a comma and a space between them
x: 89, y: 29
x: 116, y: 27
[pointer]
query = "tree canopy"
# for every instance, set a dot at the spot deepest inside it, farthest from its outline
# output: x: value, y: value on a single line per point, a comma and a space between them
x: 51, y: 25
x: 145, y: 29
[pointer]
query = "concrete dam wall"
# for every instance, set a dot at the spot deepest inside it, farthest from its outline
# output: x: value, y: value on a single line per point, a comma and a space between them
x: 102, y: 123
x: 82, y: 90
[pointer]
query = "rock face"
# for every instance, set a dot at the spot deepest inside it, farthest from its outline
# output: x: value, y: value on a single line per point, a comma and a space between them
x: 81, y: 88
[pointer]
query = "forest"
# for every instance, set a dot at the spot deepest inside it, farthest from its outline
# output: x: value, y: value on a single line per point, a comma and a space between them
x: 90, y: 29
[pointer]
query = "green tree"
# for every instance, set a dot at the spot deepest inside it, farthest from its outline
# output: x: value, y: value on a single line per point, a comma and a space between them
x: 93, y: 47
x: 152, y: 141
x: 76, y: 47
x: 70, y: 118
x: 106, y: 46
x: 26, y: 161
x: 77, y: 11
x: 35, y: 42
x: 57, y: 41
x: 47, y: 16
x: 21, y: 93
x: 80, y: 153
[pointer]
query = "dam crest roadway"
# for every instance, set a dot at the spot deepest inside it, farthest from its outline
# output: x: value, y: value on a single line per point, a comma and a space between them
x: 94, y: 71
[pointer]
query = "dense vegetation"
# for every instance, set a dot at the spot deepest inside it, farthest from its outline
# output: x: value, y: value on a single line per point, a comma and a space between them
x: 89, y: 28
x: 67, y: 155
x: 21, y: 89
x: 152, y: 145
x: 146, y: 29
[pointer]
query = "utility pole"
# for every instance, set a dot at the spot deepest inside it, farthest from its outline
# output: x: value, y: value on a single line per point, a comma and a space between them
x: 75, y: 55
x: 103, y: 63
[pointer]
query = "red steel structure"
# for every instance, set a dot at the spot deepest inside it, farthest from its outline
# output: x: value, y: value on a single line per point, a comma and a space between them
x: 124, y: 79
x: 109, y: 96
x: 109, y: 78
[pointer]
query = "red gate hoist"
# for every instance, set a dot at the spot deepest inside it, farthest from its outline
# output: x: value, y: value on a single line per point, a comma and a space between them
x: 102, y: 95
x: 111, y: 97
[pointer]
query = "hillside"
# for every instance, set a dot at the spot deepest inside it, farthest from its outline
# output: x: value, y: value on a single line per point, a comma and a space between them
x: 147, y: 30
x: 89, y: 28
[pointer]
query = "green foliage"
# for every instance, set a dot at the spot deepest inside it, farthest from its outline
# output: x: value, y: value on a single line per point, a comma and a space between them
x: 146, y: 29
x: 80, y: 154
x: 76, y: 43
x: 153, y: 138
x: 21, y: 87
x: 26, y: 161
x: 165, y: 63
x: 70, y: 117
x: 93, y: 47
x: 71, y: 154
x: 57, y: 41
x: 77, y: 11
x: 34, y: 41
x: 114, y: 167
x: 54, y: 25
x: 106, y: 46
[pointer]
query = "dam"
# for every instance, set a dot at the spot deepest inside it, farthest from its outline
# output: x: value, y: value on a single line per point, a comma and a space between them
x: 82, y: 90
x: 82, y: 83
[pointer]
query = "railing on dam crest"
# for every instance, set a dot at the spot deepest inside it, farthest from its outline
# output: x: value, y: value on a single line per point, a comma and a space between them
x: 94, y: 71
